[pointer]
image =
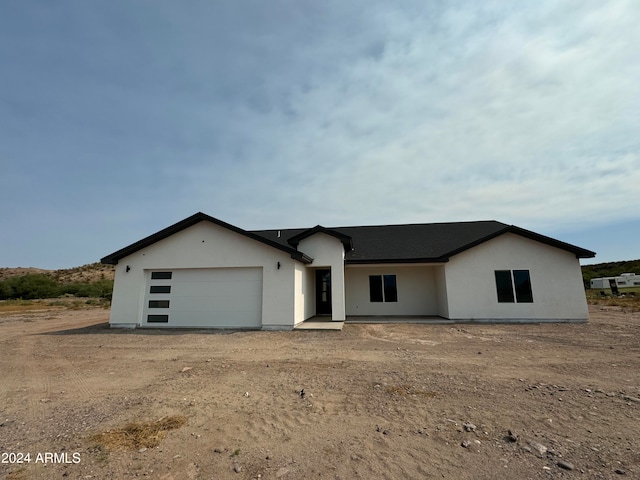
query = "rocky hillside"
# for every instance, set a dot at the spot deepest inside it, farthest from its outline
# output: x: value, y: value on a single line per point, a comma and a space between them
x: 84, y: 274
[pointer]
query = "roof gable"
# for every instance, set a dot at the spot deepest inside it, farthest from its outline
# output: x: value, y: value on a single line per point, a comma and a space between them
x: 295, y: 240
x: 409, y: 243
x: 190, y: 221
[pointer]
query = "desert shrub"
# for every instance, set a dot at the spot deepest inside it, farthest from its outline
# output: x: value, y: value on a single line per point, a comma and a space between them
x: 34, y: 286
x: 5, y: 290
x: 139, y: 434
x: 99, y: 288
x: 29, y: 287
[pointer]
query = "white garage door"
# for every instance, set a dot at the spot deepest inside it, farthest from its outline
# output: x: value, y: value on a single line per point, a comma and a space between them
x: 204, y: 297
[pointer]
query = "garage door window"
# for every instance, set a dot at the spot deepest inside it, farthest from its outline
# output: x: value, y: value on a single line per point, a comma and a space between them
x: 161, y: 275
x: 158, y: 303
x: 160, y: 289
x: 157, y: 318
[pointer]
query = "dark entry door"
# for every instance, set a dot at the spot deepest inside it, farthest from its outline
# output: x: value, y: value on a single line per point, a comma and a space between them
x: 323, y: 292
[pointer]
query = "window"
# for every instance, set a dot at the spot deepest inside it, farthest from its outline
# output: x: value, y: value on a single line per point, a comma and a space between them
x: 160, y: 289
x: 383, y: 288
x: 158, y: 303
x: 161, y: 275
x: 504, y: 286
x: 522, y: 282
x: 375, y: 288
x: 157, y: 318
x: 509, y: 282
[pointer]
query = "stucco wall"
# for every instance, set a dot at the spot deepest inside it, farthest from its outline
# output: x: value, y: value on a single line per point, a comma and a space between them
x: 206, y: 245
x: 327, y: 251
x: 556, y: 281
x: 441, y: 291
x: 417, y: 291
x: 305, y: 293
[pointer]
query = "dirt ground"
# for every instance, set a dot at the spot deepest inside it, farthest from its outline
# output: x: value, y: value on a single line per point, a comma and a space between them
x: 379, y: 401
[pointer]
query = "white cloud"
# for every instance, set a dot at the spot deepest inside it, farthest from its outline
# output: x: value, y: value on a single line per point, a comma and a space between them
x: 481, y: 114
x: 269, y: 115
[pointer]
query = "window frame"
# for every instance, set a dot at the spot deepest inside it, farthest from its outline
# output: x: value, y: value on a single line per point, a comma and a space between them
x: 504, y: 286
x: 522, y: 287
x: 383, y: 288
x: 513, y: 286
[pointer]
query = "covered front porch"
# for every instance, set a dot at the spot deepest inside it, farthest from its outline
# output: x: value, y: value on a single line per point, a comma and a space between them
x: 385, y: 293
x: 324, y: 322
x: 391, y: 319
x: 410, y: 293
x: 320, y: 322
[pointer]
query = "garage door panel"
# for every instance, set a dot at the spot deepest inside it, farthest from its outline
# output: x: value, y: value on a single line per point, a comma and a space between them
x: 224, y: 297
x: 213, y: 306
x: 216, y: 289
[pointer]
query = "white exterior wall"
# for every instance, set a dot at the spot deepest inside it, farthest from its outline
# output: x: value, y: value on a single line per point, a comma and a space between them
x: 556, y: 281
x: 206, y: 245
x: 327, y: 251
x: 417, y: 290
x: 441, y: 291
x: 305, y: 293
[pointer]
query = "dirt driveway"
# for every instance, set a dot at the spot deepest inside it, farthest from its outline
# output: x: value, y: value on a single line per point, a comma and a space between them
x: 379, y: 401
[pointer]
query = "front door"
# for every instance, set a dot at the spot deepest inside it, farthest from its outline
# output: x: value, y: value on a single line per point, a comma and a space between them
x: 323, y: 292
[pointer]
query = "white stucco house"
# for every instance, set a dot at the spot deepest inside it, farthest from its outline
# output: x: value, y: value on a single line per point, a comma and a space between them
x: 204, y: 273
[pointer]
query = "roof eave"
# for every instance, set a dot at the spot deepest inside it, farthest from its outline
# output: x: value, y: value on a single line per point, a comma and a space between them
x: 113, y: 258
x: 395, y: 260
x: 577, y: 251
x: 346, y: 240
x: 301, y: 257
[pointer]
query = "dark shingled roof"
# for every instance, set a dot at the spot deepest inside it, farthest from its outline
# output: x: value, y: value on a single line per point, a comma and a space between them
x: 423, y: 242
x: 411, y: 243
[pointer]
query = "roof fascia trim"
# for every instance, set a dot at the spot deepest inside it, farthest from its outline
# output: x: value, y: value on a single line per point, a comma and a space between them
x: 577, y: 251
x: 113, y: 258
x: 345, y: 239
x: 381, y: 261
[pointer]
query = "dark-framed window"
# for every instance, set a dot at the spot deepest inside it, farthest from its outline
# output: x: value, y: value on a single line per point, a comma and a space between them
x: 158, y: 303
x: 383, y: 288
x: 522, y: 284
x: 161, y: 275
x: 504, y: 286
x: 157, y: 318
x: 160, y: 289
x: 513, y: 286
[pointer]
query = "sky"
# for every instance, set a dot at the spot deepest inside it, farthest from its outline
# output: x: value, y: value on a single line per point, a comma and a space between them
x: 119, y: 118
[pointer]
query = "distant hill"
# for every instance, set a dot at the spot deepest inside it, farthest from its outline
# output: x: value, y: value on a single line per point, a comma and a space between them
x: 611, y: 269
x: 83, y: 274
x: 19, y: 271
x: 93, y: 280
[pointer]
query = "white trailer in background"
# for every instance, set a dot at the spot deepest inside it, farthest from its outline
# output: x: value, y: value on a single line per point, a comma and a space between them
x: 624, y: 280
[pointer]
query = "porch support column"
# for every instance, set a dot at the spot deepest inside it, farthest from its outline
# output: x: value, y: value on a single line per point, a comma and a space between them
x: 337, y: 293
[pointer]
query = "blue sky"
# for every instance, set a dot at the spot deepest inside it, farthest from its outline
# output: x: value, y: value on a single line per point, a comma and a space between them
x: 119, y: 118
